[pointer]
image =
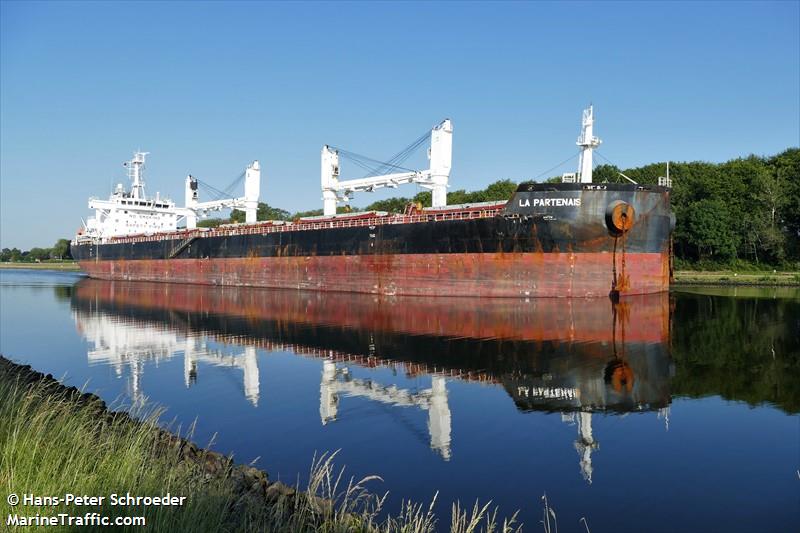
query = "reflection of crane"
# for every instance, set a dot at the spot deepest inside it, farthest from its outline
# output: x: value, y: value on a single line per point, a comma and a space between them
x: 248, y: 362
x: 585, y: 443
x: 336, y: 381
x: 133, y: 344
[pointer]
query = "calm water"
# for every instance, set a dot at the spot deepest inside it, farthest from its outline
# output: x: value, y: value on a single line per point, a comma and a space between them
x: 667, y: 413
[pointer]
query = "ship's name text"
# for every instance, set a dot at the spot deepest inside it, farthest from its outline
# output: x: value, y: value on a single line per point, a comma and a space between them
x: 550, y: 202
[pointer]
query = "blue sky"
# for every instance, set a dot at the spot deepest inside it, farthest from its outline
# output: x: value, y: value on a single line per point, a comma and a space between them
x: 207, y: 87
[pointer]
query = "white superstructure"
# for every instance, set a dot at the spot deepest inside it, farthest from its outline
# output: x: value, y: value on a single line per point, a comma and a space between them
x: 131, y: 212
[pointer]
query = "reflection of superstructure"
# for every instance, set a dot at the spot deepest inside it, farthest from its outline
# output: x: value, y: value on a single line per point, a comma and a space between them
x: 338, y: 382
x: 574, y: 357
x: 133, y: 344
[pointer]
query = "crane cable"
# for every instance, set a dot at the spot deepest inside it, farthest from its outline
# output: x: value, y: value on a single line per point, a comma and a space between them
x: 218, y: 194
x: 556, y: 166
x: 375, y: 167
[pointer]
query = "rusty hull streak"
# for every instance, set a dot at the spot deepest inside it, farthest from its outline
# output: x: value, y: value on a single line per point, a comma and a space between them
x: 486, y: 275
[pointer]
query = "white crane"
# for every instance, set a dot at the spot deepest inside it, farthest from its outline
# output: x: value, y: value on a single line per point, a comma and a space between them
x: 248, y: 203
x: 434, y: 178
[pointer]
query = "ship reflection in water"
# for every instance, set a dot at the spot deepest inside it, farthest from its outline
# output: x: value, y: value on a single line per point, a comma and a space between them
x: 574, y: 357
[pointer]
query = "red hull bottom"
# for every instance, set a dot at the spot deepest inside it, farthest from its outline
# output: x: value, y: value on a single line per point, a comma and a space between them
x: 484, y: 275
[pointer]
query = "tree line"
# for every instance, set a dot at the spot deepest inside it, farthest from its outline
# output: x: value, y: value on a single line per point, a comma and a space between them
x: 59, y: 251
x: 743, y: 210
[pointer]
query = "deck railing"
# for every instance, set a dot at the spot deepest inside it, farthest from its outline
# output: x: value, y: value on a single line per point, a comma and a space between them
x: 262, y: 228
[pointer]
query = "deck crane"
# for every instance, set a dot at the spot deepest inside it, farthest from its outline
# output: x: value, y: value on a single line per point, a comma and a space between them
x: 434, y: 178
x: 248, y: 203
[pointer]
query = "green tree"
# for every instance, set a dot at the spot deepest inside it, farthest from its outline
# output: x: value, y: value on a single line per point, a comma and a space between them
x: 425, y: 198
x: 708, y: 229
x: 211, y: 222
x: 786, y: 167
x: 264, y: 212
x: 60, y: 250
x: 390, y: 205
x: 39, y: 254
x: 606, y: 174
x: 312, y: 213
x: 500, y: 190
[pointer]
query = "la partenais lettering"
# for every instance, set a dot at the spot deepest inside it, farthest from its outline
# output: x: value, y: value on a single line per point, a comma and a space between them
x: 550, y: 202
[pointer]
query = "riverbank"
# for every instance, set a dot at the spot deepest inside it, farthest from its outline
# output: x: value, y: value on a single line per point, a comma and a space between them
x: 682, y: 277
x: 47, y: 428
x: 69, y: 266
x: 729, y: 277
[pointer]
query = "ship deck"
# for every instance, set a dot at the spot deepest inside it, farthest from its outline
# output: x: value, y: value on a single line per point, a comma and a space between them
x: 349, y: 220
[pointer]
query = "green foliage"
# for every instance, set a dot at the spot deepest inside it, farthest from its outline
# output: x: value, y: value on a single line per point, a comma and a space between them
x: 391, y: 205
x: 264, y: 212
x: 211, y: 222
x: 425, y: 198
x: 499, y: 190
x: 39, y: 254
x: 743, y: 209
x: 59, y: 251
x: 11, y: 254
x: 706, y: 228
x: 311, y: 213
x: 605, y: 174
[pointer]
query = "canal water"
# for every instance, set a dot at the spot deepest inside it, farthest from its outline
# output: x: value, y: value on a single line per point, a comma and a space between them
x: 674, y: 412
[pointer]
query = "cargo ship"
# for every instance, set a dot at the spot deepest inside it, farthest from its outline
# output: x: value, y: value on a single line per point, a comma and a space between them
x: 570, y: 239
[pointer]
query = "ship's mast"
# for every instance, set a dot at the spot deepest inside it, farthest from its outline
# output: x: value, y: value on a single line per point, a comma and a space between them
x: 587, y: 141
x: 135, y: 167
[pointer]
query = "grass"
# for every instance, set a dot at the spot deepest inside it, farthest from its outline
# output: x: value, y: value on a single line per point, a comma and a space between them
x: 729, y: 277
x: 51, y: 444
x: 54, y: 441
x: 44, y: 265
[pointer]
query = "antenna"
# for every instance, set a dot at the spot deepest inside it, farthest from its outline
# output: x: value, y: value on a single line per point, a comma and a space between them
x: 665, y: 181
x: 587, y: 141
x: 136, y: 174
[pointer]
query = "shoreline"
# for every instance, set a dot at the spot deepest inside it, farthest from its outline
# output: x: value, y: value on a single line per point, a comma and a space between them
x: 682, y: 278
x: 48, y: 426
x: 67, y: 266
x: 246, y: 481
x: 730, y: 278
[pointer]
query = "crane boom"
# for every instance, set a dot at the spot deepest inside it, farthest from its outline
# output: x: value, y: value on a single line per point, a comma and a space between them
x: 434, y: 178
